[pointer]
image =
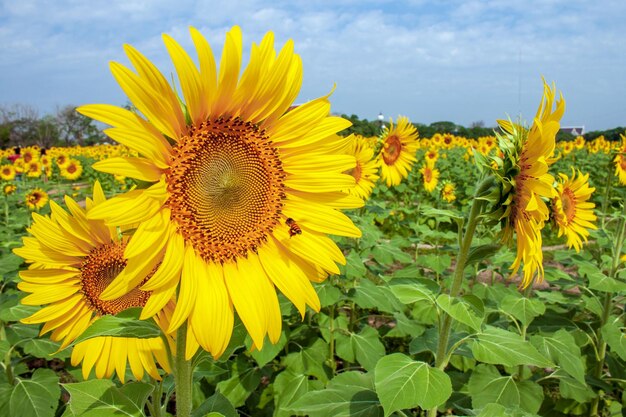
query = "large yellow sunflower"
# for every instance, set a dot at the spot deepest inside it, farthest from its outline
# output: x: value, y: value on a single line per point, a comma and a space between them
x: 527, y: 156
x: 72, y: 260
x: 572, y: 212
x: 231, y: 176
x: 365, y: 172
x: 398, y: 152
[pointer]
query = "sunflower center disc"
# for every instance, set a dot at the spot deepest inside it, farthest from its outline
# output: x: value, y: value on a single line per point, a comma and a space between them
x: 226, y: 188
x: 569, y: 204
x: 102, y: 265
x: 392, y: 149
x: 428, y: 175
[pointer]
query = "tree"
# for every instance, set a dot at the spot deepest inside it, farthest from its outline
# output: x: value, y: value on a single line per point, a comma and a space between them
x: 74, y: 128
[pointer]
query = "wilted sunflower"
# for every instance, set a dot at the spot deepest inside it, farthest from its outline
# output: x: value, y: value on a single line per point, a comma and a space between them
x: 398, y: 152
x: 526, y: 182
x: 232, y: 174
x: 73, y: 259
x: 365, y: 172
x: 572, y: 212
x: 36, y: 199
x: 7, y: 172
x: 430, y: 177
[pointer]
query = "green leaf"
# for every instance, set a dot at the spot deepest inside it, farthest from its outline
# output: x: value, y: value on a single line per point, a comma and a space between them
x: 468, y: 309
x: 481, y: 252
x: 403, y: 383
x: 438, y: 263
x: 124, y: 324
x: 269, y: 351
x: 216, y: 403
x: 501, y: 347
x: 17, y: 312
x: 562, y: 349
x: 289, y: 387
x: 522, y: 308
x: 386, y: 254
x: 615, y: 338
x: 137, y: 392
x: 101, y: 398
x: 405, y: 326
x: 37, y: 396
x: 243, y: 381
x: 598, y: 280
x: 309, y: 361
x: 497, y: 410
x: 10, y: 263
x: 355, y: 266
x: 365, y: 347
x: 328, y: 293
x: 45, y: 348
x: 486, y: 386
x: 410, y: 291
x: 369, y: 295
x: 441, y: 215
x: 573, y: 389
x: 350, y: 394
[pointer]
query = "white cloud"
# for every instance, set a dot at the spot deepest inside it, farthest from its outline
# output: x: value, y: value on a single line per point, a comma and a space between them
x: 456, y: 60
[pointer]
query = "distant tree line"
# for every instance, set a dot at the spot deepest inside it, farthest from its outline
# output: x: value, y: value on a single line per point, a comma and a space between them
x: 21, y: 125
x: 475, y: 130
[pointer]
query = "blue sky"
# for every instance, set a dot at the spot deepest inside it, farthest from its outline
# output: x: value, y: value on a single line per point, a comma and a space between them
x: 462, y: 61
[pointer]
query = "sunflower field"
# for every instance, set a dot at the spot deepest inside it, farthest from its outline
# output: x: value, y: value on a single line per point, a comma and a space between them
x: 236, y: 254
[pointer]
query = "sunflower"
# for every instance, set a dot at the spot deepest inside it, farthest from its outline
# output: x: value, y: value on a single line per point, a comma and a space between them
x: 571, y: 210
x: 7, y: 172
x: 30, y: 153
x: 62, y: 159
x: 73, y: 259
x: 18, y: 165
x: 72, y: 170
x: 431, y: 157
x: 398, y: 152
x: 620, y: 162
x: 33, y: 169
x: 9, y: 189
x: 36, y: 199
x: 447, y: 192
x: 365, y: 172
x: 430, y: 176
x: 527, y: 154
x: 229, y: 176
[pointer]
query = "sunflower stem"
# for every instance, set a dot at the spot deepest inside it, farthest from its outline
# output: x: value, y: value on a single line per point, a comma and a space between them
x: 607, y: 192
x: 441, y: 356
x: 182, y: 374
x: 607, y: 307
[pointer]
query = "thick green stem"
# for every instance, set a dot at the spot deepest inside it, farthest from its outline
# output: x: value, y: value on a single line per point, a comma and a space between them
x: 607, y: 308
x: 441, y: 356
x: 331, y: 342
x: 182, y: 374
x: 607, y: 192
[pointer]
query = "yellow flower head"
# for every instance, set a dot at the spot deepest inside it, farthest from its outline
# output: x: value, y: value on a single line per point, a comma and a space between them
x: 36, y: 199
x: 33, y: 169
x: 526, y: 183
x: 30, y: 154
x: 72, y: 170
x: 620, y: 162
x: 72, y: 260
x: 365, y: 172
x: 9, y: 189
x: 241, y: 193
x: 430, y: 176
x: 448, y: 192
x: 572, y: 212
x: 398, y: 152
x: 7, y: 172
